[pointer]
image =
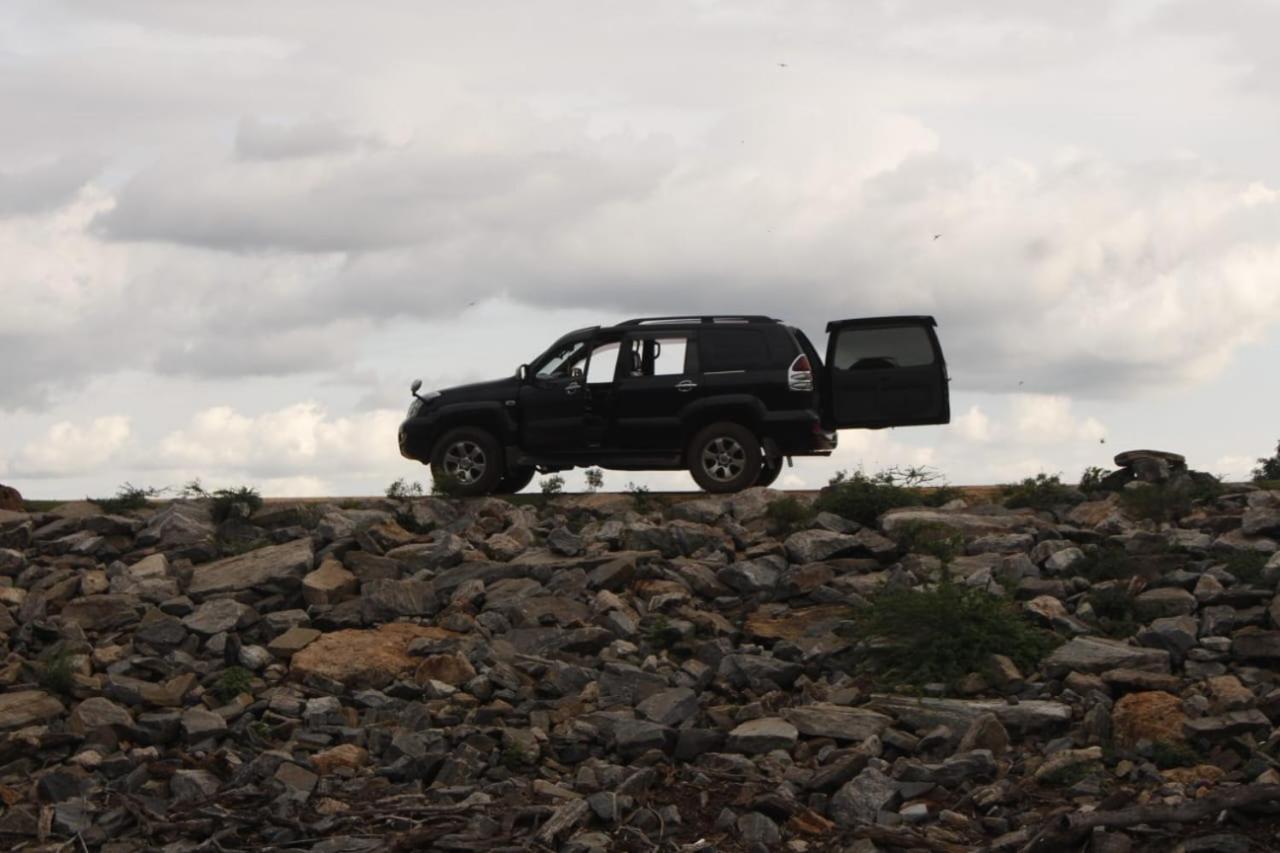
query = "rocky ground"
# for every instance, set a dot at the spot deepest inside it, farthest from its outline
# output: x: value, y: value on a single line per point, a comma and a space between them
x: 579, y: 675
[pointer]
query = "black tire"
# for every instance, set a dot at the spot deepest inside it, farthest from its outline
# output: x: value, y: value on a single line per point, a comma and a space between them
x: 724, y: 457
x: 515, y: 480
x: 470, y: 459
x: 768, y: 472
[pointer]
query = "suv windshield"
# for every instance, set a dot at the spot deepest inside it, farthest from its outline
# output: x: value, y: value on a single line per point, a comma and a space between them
x: 560, y: 360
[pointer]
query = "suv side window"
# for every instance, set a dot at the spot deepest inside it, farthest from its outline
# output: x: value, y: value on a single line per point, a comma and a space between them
x: 603, y: 363
x: 876, y: 349
x: 664, y: 355
x: 733, y: 349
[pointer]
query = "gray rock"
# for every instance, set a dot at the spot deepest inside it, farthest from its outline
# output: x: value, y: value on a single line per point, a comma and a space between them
x: 925, y: 713
x: 837, y: 721
x: 387, y: 600
x: 26, y: 707
x: 861, y: 799
x: 1261, y: 521
x: 199, y: 724
x: 98, y: 713
x: 1175, y: 634
x: 632, y: 737
x: 1094, y: 654
x: 1255, y: 644
x: 189, y: 786
x: 1228, y: 725
x: 1164, y: 601
x: 102, y: 612
x: 750, y: 576
x: 218, y: 616
x: 763, y: 735
x: 273, y: 567
x: 756, y: 828
x: 812, y: 546
x: 669, y: 707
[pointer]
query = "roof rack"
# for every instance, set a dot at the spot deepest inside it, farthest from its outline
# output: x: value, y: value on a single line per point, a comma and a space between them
x: 717, y: 318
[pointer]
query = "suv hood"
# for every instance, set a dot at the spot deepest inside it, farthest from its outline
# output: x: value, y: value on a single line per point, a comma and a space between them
x: 495, y: 389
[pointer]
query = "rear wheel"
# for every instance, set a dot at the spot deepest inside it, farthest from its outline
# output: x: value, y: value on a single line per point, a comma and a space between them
x: 515, y: 480
x: 468, y: 461
x: 724, y: 457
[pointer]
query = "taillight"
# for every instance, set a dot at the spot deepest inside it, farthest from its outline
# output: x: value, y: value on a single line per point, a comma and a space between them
x: 800, y: 374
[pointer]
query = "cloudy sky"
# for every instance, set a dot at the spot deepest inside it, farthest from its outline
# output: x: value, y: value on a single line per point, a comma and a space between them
x: 232, y: 233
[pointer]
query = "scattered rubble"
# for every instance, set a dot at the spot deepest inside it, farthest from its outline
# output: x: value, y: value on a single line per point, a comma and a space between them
x: 573, y: 674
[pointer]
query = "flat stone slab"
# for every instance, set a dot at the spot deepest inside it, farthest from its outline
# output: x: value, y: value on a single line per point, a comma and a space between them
x: 957, y: 714
x: 275, y: 565
x: 1094, y: 654
x: 364, y: 658
x: 837, y: 721
x: 25, y: 707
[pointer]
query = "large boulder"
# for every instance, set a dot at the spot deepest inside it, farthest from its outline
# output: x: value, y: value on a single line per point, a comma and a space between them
x: 272, y: 568
x: 10, y: 499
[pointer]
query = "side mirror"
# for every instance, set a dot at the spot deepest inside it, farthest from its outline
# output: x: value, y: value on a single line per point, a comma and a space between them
x: 576, y: 373
x: 523, y: 372
x: 414, y: 386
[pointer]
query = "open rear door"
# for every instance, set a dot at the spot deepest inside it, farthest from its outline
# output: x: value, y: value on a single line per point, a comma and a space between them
x: 886, y: 372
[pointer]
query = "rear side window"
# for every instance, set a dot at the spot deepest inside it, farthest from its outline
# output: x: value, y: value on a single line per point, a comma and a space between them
x: 733, y: 349
x: 657, y: 356
x: 870, y: 349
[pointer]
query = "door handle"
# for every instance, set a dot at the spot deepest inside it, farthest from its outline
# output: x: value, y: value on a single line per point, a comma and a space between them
x: 686, y: 385
x: 572, y: 388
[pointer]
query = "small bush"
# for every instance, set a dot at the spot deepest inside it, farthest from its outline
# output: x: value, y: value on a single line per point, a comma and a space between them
x: 1092, y: 478
x: 241, y: 502
x: 128, y: 497
x: 1105, y: 563
x: 1268, y: 469
x: 640, y: 496
x: 594, y: 478
x: 444, y: 485
x: 1247, y: 566
x: 1113, y: 609
x: 920, y: 636
x: 57, y: 671
x: 232, y: 682
x: 1161, y: 502
x: 1041, y: 492
x: 864, y: 498
x: 1167, y: 756
x: 935, y: 540
x: 788, y: 514
x: 659, y: 633
x: 551, y: 486
x: 401, y: 488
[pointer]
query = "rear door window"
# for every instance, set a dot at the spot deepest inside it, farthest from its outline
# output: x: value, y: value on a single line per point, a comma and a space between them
x: 723, y: 350
x: 874, y: 349
x: 665, y: 355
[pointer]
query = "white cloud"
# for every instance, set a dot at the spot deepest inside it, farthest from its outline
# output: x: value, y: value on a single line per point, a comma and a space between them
x: 1046, y: 419
x: 973, y: 425
x: 300, y: 440
x: 69, y: 448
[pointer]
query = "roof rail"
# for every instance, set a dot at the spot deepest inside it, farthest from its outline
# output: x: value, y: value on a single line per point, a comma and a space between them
x: 716, y: 318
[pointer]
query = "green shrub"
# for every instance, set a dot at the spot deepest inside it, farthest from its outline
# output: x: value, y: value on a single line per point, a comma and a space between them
x: 1105, y: 563
x: 1113, y: 609
x: 788, y: 514
x: 931, y: 538
x: 594, y: 478
x: 56, y: 672
x: 640, y: 496
x: 128, y: 497
x: 231, y: 682
x: 918, y: 636
x: 401, y: 488
x: 223, y: 501
x: 1091, y: 479
x: 1169, y: 501
x: 1247, y: 566
x: 1268, y: 469
x: 862, y: 498
x: 1167, y: 756
x: 444, y: 485
x: 659, y: 633
x: 551, y: 486
x: 1041, y: 492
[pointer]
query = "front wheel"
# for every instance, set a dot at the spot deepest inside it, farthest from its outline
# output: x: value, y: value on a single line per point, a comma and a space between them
x: 467, y: 462
x: 724, y: 457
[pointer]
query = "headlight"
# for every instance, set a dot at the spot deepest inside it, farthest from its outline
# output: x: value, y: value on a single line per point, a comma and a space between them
x: 414, y: 408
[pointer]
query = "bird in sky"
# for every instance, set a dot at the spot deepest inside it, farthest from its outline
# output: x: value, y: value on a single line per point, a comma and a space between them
x: 936, y: 236
x: 782, y: 65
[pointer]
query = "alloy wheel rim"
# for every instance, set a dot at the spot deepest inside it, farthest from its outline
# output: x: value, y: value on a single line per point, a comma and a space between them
x: 723, y: 458
x: 465, y: 462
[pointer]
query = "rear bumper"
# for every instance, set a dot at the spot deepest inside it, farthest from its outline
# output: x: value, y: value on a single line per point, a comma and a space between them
x: 800, y: 434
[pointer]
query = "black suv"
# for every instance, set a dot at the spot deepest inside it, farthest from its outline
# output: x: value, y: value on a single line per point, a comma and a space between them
x: 726, y: 397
